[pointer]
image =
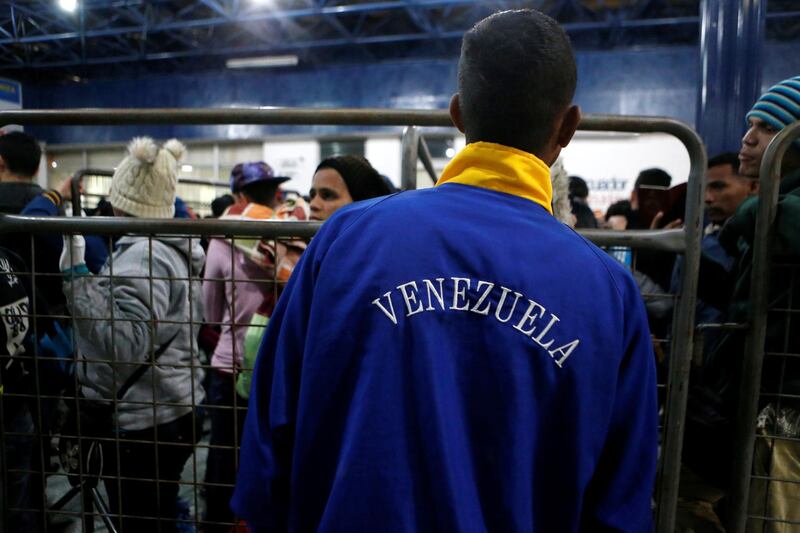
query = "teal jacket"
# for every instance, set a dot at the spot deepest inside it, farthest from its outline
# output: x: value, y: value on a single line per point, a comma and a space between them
x: 782, y: 336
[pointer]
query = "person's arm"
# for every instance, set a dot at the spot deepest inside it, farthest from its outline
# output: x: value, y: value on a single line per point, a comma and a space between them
x: 262, y: 485
x: 48, y: 204
x: 658, y: 306
x: 214, y: 301
x: 618, y: 497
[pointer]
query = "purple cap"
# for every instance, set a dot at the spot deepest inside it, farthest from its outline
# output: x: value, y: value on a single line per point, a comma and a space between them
x: 244, y: 174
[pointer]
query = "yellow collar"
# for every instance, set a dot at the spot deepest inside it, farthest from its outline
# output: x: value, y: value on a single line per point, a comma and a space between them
x: 501, y: 168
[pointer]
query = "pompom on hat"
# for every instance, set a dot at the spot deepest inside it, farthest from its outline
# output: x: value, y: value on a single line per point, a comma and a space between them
x: 780, y: 105
x: 144, y: 183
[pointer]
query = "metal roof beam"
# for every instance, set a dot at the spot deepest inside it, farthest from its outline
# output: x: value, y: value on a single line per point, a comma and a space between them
x: 422, y: 21
x: 44, y: 15
x: 228, y: 51
x: 248, y: 16
x: 365, y: 40
x: 216, y: 7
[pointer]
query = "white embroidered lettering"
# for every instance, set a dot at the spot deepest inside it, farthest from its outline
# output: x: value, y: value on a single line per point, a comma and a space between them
x: 410, y: 298
x: 485, y: 310
x: 564, y: 351
x: 517, y: 296
x: 438, y: 295
x: 538, y: 339
x: 392, y: 316
x: 460, y: 292
x: 528, y: 322
x: 530, y: 317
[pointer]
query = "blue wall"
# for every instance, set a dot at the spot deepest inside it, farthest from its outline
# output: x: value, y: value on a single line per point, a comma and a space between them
x: 661, y: 81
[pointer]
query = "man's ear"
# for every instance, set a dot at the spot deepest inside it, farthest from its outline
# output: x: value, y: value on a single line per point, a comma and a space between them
x: 455, y: 113
x: 566, y: 131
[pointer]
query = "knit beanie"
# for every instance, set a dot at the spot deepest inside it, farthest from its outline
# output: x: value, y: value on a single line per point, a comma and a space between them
x: 144, y: 183
x: 780, y: 105
x: 362, y: 180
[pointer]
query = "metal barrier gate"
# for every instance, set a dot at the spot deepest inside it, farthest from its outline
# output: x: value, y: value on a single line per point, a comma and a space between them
x: 752, y: 483
x: 685, y: 241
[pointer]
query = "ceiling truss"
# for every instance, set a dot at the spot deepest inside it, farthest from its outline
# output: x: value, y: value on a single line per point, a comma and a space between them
x: 36, y: 36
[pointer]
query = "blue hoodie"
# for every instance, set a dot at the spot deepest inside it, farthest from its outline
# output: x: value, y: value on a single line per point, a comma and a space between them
x: 453, y: 359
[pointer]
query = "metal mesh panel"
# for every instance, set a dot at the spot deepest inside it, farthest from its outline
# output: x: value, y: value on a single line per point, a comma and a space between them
x: 775, y: 479
x: 52, y: 433
x: 186, y: 470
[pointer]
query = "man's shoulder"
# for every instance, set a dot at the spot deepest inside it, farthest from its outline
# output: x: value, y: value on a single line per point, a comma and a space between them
x: 14, y: 196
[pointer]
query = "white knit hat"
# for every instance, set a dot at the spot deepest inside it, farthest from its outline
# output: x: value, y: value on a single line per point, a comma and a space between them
x: 144, y: 182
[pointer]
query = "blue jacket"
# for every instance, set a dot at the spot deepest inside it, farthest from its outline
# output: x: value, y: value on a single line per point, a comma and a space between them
x: 453, y: 359
x: 44, y: 206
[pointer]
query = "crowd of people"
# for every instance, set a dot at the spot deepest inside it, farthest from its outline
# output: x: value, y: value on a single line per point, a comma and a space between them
x: 133, y: 303
x: 444, y: 378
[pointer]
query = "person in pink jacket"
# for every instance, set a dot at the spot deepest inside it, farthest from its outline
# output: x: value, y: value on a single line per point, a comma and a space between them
x: 240, y: 279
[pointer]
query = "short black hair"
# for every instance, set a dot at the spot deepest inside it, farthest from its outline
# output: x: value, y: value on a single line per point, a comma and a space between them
x: 728, y: 158
x: 220, y: 204
x: 20, y: 152
x: 516, y: 73
x: 578, y: 187
x: 262, y: 192
x: 653, y: 177
x: 620, y: 208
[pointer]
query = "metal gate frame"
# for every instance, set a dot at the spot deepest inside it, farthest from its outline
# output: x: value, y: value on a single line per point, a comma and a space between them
x: 754, y: 351
x: 685, y: 240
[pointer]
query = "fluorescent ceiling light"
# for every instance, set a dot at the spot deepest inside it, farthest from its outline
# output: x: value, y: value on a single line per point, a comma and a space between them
x: 187, y: 168
x: 263, y: 61
x: 68, y: 5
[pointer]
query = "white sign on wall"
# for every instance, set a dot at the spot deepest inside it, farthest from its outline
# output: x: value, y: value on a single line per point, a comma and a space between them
x: 610, y: 162
x: 295, y: 159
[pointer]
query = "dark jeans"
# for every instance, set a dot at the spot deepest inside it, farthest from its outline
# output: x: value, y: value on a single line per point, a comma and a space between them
x: 227, y: 424
x: 23, y: 482
x: 148, y: 502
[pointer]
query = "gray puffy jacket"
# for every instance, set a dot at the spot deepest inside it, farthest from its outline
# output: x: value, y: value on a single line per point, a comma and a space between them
x: 133, y: 307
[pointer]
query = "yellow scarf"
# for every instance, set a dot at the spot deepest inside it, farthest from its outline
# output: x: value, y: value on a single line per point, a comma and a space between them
x: 501, y: 168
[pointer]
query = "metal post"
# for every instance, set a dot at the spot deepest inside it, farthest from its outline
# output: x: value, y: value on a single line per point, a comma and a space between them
x: 408, y: 168
x: 427, y: 161
x: 3, y: 471
x: 682, y: 340
x: 731, y: 47
x: 770, y: 177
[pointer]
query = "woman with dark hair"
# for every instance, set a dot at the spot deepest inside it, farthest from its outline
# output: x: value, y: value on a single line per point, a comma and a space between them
x: 341, y: 180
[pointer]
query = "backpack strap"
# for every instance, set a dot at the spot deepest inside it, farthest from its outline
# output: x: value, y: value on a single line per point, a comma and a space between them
x: 139, y: 372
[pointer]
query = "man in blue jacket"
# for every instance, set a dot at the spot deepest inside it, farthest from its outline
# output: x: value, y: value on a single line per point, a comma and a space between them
x: 455, y: 359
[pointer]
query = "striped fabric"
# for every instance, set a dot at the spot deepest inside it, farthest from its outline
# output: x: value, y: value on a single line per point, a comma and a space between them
x: 779, y: 106
x: 53, y: 196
